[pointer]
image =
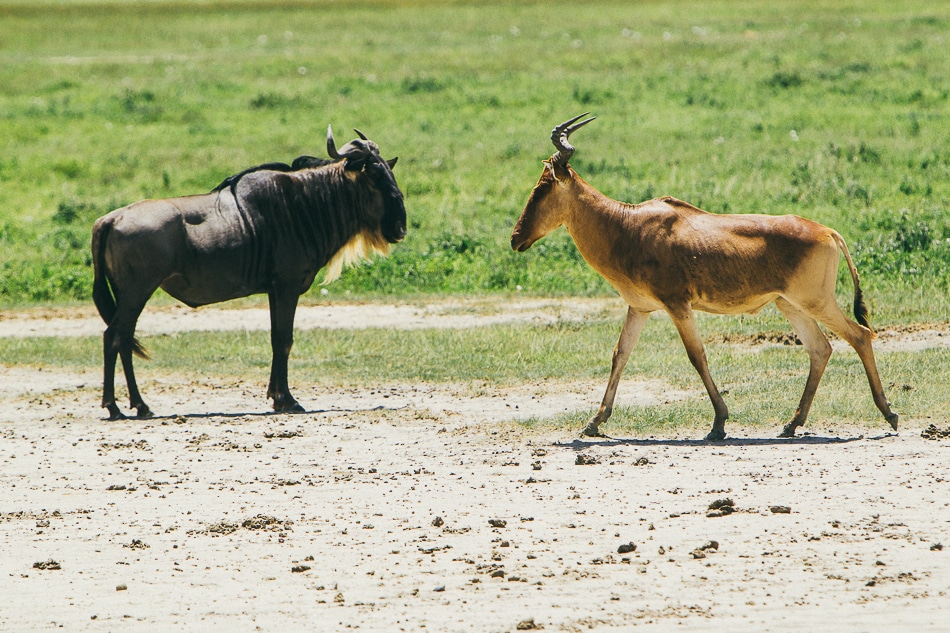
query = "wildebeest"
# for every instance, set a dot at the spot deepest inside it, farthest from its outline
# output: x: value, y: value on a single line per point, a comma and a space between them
x: 268, y: 229
x: 666, y: 254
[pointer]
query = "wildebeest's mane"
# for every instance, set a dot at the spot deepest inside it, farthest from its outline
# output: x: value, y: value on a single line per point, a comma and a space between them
x: 301, y: 162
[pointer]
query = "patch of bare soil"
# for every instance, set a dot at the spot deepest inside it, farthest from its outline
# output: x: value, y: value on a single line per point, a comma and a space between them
x: 430, y: 507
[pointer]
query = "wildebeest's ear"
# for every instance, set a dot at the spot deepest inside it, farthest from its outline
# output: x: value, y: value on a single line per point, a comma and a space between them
x: 392, y: 162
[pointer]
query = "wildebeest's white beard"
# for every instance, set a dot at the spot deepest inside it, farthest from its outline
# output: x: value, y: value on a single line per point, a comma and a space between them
x: 361, y: 246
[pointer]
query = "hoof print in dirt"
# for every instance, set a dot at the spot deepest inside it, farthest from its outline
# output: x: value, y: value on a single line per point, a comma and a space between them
x: 721, y: 508
x: 586, y: 460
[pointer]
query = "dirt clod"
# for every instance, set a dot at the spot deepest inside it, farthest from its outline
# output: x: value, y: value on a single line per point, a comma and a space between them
x: 528, y: 625
x: 47, y: 565
x: 934, y: 433
x: 586, y: 460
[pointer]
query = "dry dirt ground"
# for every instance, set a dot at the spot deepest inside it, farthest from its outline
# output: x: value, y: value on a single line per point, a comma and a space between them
x: 428, y: 507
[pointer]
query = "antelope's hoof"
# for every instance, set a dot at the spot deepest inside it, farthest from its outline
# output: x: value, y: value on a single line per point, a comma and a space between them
x: 591, y: 431
x: 715, y: 436
x: 892, y: 420
x: 144, y: 412
x: 788, y: 431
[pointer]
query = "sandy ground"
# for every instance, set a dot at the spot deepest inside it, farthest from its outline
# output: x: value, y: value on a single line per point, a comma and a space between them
x: 428, y: 507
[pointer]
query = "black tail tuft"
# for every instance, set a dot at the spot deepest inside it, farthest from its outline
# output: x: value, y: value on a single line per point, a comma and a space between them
x: 861, y: 309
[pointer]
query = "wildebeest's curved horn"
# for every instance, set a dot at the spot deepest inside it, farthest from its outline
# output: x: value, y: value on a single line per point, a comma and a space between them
x: 361, y: 135
x: 331, y: 145
x: 350, y: 150
x: 560, y: 135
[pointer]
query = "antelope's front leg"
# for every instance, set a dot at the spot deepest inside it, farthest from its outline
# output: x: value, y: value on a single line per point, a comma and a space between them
x: 632, y: 327
x: 686, y: 326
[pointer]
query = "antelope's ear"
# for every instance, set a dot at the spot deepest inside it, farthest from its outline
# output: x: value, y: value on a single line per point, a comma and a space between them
x: 392, y: 162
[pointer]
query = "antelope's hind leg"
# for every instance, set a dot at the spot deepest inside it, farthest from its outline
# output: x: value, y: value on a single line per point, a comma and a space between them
x: 819, y: 351
x: 859, y: 337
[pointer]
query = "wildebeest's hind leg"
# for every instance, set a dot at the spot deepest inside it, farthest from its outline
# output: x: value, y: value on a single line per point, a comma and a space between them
x: 283, y: 306
x: 819, y: 351
x: 119, y: 339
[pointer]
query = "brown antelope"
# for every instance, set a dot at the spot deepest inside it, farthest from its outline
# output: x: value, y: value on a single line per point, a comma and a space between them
x: 666, y: 254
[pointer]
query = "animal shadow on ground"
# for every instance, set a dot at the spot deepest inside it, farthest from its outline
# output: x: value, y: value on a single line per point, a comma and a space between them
x: 264, y: 414
x: 813, y: 440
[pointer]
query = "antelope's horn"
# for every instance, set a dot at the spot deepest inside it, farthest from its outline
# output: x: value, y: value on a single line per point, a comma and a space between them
x: 361, y: 135
x: 561, y: 134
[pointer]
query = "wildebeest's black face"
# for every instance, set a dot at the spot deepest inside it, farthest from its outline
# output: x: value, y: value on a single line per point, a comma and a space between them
x: 393, y: 223
x: 362, y: 155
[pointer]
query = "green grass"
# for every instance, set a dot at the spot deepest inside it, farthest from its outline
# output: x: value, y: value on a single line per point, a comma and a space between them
x: 104, y: 103
x: 761, y: 385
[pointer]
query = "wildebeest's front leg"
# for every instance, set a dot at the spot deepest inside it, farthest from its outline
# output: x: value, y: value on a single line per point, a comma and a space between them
x: 686, y: 326
x: 283, y: 305
x: 632, y: 327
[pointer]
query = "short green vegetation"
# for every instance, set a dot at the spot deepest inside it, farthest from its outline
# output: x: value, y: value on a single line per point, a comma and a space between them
x: 834, y: 111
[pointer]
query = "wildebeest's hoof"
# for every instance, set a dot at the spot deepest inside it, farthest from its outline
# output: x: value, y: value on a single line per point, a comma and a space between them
x: 892, y: 420
x: 715, y: 436
x: 144, y: 412
x: 289, y: 406
x: 114, y: 412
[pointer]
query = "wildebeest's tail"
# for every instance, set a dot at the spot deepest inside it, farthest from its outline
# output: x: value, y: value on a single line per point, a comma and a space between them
x: 860, y: 308
x: 101, y: 291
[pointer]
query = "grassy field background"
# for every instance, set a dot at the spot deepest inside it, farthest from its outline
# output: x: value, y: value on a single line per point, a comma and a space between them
x: 833, y: 111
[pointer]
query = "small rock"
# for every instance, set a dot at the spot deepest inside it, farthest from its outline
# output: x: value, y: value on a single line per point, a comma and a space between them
x: 643, y: 461
x: 297, y: 569
x: 698, y: 553
x: 780, y: 509
x: 440, y: 588
x: 122, y: 587
x: 438, y: 522
x: 497, y: 523
x: 498, y: 573
x: 713, y: 545
x: 338, y: 598
x: 721, y: 508
x: 536, y: 466
x: 936, y: 547
x: 626, y: 548
x: 585, y: 460
x: 528, y: 625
